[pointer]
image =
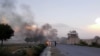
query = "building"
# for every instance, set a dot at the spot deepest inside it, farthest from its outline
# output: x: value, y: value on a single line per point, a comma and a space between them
x: 90, y: 41
x: 73, y: 38
x: 97, y: 39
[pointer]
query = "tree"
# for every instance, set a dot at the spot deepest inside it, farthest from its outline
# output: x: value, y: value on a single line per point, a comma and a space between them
x: 5, y: 32
x: 39, y: 37
x: 29, y: 39
x: 29, y: 35
x: 83, y: 43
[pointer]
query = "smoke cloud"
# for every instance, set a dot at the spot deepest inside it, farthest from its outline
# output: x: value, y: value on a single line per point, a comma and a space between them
x: 8, y: 15
x: 24, y: 24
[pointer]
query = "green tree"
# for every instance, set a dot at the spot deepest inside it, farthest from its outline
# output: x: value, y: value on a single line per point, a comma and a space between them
x: 94, y: 44
x: 29, y: 39
x: 5, y: 32
x: 83, y: 43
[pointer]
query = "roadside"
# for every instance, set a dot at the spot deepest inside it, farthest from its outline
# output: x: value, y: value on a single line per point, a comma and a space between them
x: 21, y: 50
x: 55, y: 52
x: 46, y: 52
x: 51, y: 51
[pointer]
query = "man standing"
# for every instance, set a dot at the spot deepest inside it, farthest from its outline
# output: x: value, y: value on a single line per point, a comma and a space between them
x: 55, y: 43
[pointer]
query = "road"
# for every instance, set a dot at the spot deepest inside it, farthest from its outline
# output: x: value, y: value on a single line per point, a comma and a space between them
x: 71, y: 50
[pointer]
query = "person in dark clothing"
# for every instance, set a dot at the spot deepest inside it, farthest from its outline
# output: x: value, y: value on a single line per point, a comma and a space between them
x: 55, y: 43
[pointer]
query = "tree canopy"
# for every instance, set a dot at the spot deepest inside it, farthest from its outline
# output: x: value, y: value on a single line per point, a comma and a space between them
x: 5, y: 32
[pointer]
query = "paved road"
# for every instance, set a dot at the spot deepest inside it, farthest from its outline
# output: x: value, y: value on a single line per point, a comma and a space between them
x: 71, y: 50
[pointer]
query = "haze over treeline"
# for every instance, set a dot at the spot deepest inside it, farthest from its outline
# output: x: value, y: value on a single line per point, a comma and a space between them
x: 24, y: 20
x: 23, y: 24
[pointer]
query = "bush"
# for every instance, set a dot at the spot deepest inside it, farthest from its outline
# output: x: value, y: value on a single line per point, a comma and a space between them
x: 82, y: 43
x: 34, y: 50
x: 21, y: 52
x: 42, y: 45
x: 5, y: 52
x: 94, y: 44
x: 38, y: 49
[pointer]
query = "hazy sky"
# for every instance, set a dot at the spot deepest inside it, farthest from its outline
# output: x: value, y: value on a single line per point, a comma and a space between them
x: 76, y: 13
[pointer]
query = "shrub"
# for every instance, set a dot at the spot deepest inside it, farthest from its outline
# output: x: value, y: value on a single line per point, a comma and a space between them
x: 38, y: 49
x: 42, y: 45
x: 94, y: 44
x: 5, y: 52
x: 82, y: 43
x: 21, y: 52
